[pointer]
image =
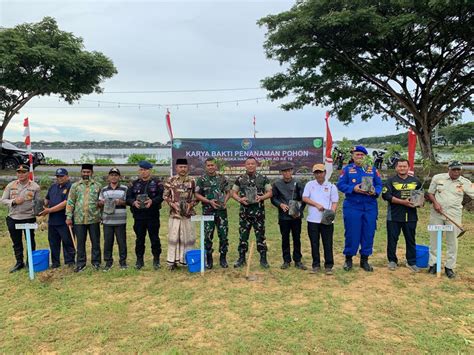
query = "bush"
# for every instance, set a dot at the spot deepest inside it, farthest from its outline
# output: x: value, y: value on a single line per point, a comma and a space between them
x: 53, y: 161
x: 86, y: 158
x: 135, y: 158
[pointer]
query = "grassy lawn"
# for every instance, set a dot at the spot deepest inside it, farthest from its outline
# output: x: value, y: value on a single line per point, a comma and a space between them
x: 282, y: 311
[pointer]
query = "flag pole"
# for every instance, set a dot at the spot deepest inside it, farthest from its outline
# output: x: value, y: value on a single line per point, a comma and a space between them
x: 26, y: 134
x: 170, y: 133
x: 328, y: 162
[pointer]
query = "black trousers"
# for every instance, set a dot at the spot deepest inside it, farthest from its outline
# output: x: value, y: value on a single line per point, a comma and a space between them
x: 141, y: 226
x: 110, y: 233
x: 294, y: 227
x: 409, y: 232
x: 326, y: 232
x: 16, y: 236
x: 57, y: 235
x: 94, y: 235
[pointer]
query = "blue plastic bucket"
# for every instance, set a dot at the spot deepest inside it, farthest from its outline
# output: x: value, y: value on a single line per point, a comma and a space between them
x: 193, y: 259
x: 40, y: 260
x: 422, y: 256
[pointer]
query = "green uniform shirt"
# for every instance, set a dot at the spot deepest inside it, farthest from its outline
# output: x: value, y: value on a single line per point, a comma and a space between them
x: 449, y: 193
x: 244, y: 181
x: 212, y: 188
x: 82, y: 202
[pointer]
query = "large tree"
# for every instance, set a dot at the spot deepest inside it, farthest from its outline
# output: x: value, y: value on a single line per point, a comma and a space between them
x: 405, y: 60
x: 40, y: 59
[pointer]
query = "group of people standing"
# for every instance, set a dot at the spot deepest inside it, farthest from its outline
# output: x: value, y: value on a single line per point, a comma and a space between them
x: 79, y: 209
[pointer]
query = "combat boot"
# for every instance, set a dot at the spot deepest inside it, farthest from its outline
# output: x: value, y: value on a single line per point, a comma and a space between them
x: 241, y: 260
x: 18, y: 266
x: 263, y: 260
x: 364, y: 263
x: 209, y: 260
x: 223, y: 261
x: 348, y: 263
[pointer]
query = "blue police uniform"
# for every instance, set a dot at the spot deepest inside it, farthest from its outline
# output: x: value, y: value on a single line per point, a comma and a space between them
x: 360, y: 211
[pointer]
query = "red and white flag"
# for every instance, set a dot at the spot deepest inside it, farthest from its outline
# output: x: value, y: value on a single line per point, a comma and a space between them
x: 411, y: 151
x: 254, y: 128
x: 168, y: 125
x: 26, y: 134
x: 328, y: 162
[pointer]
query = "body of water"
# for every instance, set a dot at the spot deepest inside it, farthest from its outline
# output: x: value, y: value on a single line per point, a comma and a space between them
x: 118, y: 156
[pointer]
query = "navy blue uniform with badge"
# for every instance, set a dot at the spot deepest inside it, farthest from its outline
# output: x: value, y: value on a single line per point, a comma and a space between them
x: 146, y: 219
x: 57, y: 229
x: 360, y: 211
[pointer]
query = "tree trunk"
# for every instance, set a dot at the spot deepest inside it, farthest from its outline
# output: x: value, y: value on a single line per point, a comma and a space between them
x: 424, y: 138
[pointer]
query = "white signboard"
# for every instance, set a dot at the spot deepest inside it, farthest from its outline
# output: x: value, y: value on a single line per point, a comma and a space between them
x: 440, y: 227
x: 202, y: 218
x: 26, y: 226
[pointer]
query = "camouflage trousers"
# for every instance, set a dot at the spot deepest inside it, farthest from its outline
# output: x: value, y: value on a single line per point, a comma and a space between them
x: 252, y: 218
x: 222, y: 224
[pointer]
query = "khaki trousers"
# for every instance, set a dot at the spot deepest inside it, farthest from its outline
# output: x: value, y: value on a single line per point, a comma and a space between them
x: 450, y: 237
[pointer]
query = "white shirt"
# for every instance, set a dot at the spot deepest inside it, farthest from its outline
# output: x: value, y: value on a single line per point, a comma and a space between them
x: 325, y: 194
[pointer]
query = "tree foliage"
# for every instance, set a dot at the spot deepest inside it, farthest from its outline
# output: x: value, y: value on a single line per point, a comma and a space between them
x: 40, y: 59
x: 459, y: 133
x: 405, y: 60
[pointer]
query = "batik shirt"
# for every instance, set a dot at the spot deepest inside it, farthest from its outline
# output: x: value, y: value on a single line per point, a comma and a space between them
x: 82, y: 202
x: 180, y: 189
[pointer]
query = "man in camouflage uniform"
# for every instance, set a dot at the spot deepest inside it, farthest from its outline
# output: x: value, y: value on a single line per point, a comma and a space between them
x: 82, y: 210
x: 252, y: 210
x: 213, y: 190
x: 180, y: 196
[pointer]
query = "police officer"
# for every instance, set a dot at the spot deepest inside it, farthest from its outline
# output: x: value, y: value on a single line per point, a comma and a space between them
x: 251, y: 190
x: 19, y: 196
x: 58, y: 232
x: 144, y: 198
x: 446, y: 192
x: 361, y: 185
x: 82, y: 210
x: 286, y: 191
x: 401, y: 214
x: 213, y: 190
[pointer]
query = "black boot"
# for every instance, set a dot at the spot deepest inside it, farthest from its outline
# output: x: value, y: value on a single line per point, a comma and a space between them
x: 139, y: 264
x: 364, y: 263
x: 263, y: 260
x: 209, y: 260
x: 348, y: 263
x: 241, y: 260
x: 223, y: 261
x: 18, y: 266
x: 156, y: 263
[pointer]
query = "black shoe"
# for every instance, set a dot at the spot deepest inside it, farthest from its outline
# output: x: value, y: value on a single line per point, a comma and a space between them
x: 79, y: 268
x: 364, y: 263
x: 300, y: 265
x: 139, y: 264
x: 223, y: 261
x: 240, y: 261
x: 172, y: 267
x: 156, y: 265
x: 432, y: 270
x: 18, y: 266
x: 123, y: 267
x: 449, y: 273
x: 209, y: 260
x: 55, y: 266
x: 263, y: 260
x: 315, y: 269
x: 96, y: 267
x: 285, y: 265
x: 70, y: 266
x: 348, y: 263
x: 107, y: 268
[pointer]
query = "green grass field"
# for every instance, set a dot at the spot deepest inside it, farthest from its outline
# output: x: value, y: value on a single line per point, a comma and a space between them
x: 283, y: 311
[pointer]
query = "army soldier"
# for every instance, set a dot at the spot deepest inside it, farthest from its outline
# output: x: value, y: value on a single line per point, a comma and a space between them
x: 180, y: 195
x: 251, y: 190
x: 82, y: 211
x: 287, y: 195
x: 19, y: 195
x: 58, y: 232
x: 112, y: 198
x: 144, y: 198
x: 361, y: 185
x: 446, y: 192
x: 401, y: 214
x: 213, y: 190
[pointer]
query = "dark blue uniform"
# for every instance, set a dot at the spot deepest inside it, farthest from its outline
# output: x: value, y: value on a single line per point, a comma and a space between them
x: 360, y: 211
x: 57, y: 229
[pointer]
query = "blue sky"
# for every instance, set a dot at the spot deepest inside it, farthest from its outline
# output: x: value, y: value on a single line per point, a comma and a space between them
x: 176, y: 45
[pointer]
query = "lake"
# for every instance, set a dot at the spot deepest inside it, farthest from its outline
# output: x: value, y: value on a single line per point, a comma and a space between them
x: 119, y: 156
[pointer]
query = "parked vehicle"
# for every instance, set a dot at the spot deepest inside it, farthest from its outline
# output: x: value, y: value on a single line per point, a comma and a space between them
x: 393, y: 159
x: 338, y: 157
x: 11, y: 156
x: 440, y: 141
x: 378, y: 158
